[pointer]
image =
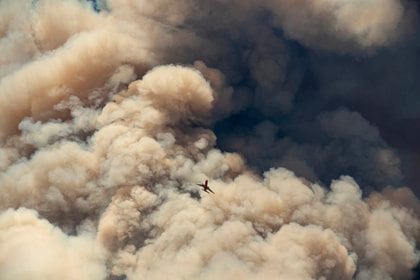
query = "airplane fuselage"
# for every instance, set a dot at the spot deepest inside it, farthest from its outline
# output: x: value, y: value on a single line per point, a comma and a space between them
x: 205, y: 187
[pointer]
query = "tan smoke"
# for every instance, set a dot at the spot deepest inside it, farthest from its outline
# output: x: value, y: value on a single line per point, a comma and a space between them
x: 341, y: 25
x: 100, y: 153
x: 32, y: 248
x: 75, y: 59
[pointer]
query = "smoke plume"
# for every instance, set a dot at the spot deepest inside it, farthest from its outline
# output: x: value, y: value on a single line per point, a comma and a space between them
x: 112, y: 111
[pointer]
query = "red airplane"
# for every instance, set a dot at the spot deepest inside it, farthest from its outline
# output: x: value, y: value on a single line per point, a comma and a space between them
x: 205, y: 187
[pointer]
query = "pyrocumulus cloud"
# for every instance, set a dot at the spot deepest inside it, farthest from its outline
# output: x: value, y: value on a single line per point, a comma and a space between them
x: 106, y: 127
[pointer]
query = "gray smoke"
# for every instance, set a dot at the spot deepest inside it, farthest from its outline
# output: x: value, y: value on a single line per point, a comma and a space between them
x: 109, y: 119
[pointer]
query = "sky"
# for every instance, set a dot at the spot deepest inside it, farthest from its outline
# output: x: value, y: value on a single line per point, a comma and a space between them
x: 303, y: 115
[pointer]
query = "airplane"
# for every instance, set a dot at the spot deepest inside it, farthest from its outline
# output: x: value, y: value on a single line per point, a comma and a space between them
x: 205, y: 187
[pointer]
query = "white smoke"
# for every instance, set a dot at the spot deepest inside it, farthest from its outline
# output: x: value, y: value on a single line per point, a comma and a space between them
x: 100, y: 153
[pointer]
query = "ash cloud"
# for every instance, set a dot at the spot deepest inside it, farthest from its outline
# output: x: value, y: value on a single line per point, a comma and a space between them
x: 337, y: 141
x: 110, y: 115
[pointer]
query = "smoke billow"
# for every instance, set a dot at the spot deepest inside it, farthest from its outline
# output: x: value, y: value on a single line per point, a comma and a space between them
x: 109, y: 118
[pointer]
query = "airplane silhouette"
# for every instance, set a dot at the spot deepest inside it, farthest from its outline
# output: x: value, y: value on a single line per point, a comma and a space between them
x: 205, y: 187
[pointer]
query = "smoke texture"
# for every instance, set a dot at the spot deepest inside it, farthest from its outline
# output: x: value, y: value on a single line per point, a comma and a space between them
x: 302, y: 116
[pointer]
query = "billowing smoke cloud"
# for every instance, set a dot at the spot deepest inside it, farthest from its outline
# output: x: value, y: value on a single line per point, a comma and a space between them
x: 341, y: 25
x: 108, y: 120
x: 361, y: 149
x: 46, y: 250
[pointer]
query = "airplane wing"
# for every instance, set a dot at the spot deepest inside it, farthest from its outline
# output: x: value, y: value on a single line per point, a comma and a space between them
x: 205, y: 187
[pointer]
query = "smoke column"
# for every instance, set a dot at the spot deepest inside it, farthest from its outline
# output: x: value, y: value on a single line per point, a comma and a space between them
x: 112, y: 111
